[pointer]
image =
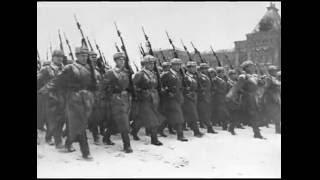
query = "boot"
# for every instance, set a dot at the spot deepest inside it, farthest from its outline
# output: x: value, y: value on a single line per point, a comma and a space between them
x: 134, y: 133
x: 96, y: 140
x: 171, y: 131
x: 161, y: 133
x: 185, y: 128
x: 210, y: 130
x: 232, y: 131
x: 196, y: 130
x: 180, y: 136
x: 126, y: 142
x: 201, y: 125
x: 50, y: 142
x: 87, y: 157
x: 154, y: 138
x: 106, y: 138
x: 69, y: 147
x: 240, y: 126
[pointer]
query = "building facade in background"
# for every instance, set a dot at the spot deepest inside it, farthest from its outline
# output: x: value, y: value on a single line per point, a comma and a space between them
x: 263, y: 44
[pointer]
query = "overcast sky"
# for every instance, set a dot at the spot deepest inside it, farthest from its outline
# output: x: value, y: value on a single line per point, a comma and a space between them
x: 205, y: 23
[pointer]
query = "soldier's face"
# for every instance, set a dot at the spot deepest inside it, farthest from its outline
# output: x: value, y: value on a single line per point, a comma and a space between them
x: 120, y: 62
x: 176, y: 67
x: 192, y: 69
x: 82, y: 58
x: 150, y: 66
x: 57, y: 59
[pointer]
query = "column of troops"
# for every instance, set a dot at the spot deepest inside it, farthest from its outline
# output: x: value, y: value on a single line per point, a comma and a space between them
x: 69, y: 103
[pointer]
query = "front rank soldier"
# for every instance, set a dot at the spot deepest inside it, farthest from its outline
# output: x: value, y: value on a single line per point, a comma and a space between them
x: 220, y: 90
x: 148, y: 114
x: 173, y: 97
x: 204, y: 98
x: 50, y: 105
x: 272, y: 98
x: 114, y: 87
x: 189, y: 107
x: 165, y: 68
x: 77, y: 82
x: 248, y: 84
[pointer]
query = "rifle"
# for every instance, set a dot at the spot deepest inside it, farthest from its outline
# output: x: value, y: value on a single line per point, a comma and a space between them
x: 60, y: 39
x: 182, y: 70
x: 92, y: 70
x: 118, y: 50
x: 173, y: 47
x: 163, y: 56
x: 197, y: 52
x: 228, y: 61
x: 104, y: 60
x: 127, y: 65
x: 186, y: 50
x: 135, y: 65
x: 190, y: 59
x: 82, y: 35
x: 99, y: 51
x: 156, y: 70
x: 91, y: 48
x: 142, y: 50
x: 215, y: 55
x: 148, y: 42
x: 70, y: 50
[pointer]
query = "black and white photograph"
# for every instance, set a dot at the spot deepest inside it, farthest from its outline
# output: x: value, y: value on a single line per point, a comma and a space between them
x: 159, y: 89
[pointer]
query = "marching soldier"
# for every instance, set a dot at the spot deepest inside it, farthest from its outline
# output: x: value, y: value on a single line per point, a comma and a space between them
x: 165, y: 68
x: 50, y: 105
x: 114, y: 87
x: 204, y: 98
x: 95, y: 120
x: 173, y: 97
x: 248, y: 84
x: 220, y: 90
x: 212, y: 75
x: 189, y: 106
x: 272, y: 98
x: 233, y: 106
x: 148, y: 114
x: 77, y: 82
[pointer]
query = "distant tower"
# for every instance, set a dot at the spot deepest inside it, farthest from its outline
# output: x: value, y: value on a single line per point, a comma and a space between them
x: 263, y: 44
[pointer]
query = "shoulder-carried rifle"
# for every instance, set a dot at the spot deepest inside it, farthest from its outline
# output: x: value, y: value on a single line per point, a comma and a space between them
x: 182, y: 71
x: 156, y: 70
x: 186, y: 50
x: 142, y: 50
x: 215, y: 55
x: 127, y: 65
x: 90, y: 63
x: 173, y: 47
x: 61, y: 44
x: 162, y: 54
x: 117, y: 48
x: 69, y: 47
x: 99, y: 51
x: 196, y: 51
x: 91, y: 48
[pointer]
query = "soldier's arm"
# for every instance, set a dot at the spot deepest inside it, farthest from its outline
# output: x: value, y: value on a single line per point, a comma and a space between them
x: 105, y: 85
x: 42, y: 77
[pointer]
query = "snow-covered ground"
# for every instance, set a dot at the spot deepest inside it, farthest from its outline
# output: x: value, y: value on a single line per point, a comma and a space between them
x: 212, y: 156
